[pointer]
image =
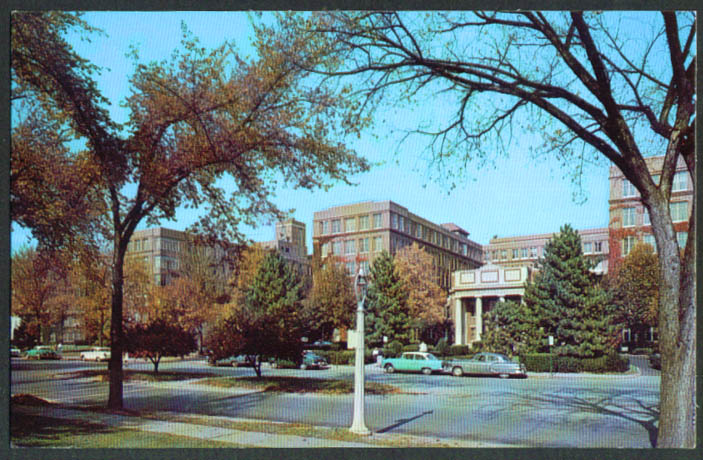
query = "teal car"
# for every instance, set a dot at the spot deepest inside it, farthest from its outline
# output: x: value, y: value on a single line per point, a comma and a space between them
x: 42, y: 352
x: 426, y: 363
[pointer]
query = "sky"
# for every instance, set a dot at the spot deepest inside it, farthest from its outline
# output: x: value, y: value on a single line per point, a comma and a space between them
x: 518, y: 195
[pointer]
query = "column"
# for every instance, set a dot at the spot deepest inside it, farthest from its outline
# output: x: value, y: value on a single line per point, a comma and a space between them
x: 458, y: 322
x: 479, y: 318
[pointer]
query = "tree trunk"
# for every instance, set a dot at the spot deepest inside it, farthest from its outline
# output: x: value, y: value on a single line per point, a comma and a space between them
x: 676, y: 341
x: 116, y: 331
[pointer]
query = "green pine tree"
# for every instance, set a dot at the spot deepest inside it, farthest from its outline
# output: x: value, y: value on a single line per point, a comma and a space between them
x: 386, y: 303
x: 568, y: 302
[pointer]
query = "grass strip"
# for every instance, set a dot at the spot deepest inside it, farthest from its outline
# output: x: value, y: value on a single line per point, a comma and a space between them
x: 146, y: 376
x: 285, y: 384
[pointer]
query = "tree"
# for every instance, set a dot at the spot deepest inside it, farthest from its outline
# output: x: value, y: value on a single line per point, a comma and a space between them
x: 387, y: 303
x: 427, y: 301
x: 511, y: 329
x: 194, y: 119
x: 595, y: 87
x: 568, y: 302
x: 331, y: 303
x: 198, y: 290
x: 158, y: 338
x: 635, y: 289
x: 36, y: 283
x: 90, y: 282
x: 267, y: 324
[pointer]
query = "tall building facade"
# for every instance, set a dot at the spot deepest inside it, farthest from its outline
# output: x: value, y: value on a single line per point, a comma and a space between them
x: 357, y: 233
x: 160, y: 249
x: 629, y: 219
x: 290, y: 244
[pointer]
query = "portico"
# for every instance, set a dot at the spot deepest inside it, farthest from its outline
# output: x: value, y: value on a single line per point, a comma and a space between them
x: 475, y: 292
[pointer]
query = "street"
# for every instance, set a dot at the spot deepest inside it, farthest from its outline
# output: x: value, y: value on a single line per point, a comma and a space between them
x: 540, y: 411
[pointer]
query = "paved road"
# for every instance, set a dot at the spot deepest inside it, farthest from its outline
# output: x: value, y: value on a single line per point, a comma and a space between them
x: 573, y: 411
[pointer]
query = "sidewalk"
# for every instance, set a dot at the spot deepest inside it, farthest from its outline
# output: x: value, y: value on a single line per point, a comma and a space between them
x: 167, y: 422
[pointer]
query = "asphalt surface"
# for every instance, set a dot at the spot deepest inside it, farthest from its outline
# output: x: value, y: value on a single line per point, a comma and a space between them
x: 540, y: 411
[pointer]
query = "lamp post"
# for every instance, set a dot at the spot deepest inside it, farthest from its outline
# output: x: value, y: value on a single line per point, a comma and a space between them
x: 358, y: 425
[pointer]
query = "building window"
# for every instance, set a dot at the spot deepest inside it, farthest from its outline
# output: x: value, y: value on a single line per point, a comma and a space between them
x: 627, y: 244
x: 649, y: 239
x: 587, y: 248
x: 628, y: 189
x: 325, y: 249
x: 377, y: 220
x: 533, y: 252
x: 516, y: 252
x: 655, y: 178
x: 464, y: 249
x: 350, y: 224
x: 337, y: 248
x: 681, y: 237
x: 378, y: 244
x: 394, y: 221
x: 349, y: 247
x: 598, y: 246
x: 418, y: 231
x: 524, y: 253
x: 504, y: 254
x: 325, y: 227
x: 364, y: 245
x: 363, y: 222
x: 628, y: 217
x: 680, y: 182
x: 401, y: 223
x: 364, y: 265
x: 679, y: 211
x: 336, y: 226
x: 351, y: 268
x: 645, y: 218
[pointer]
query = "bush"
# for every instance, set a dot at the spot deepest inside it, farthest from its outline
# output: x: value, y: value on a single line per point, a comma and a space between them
x: 285, y: 364
x: 412, y: 347
x: 338, y: 357
x: 456, y: 350
x: 540, y: 362
x: 475, y: 347
x: 642, y: 351
x: 441, y: 348
x: 393, y: 349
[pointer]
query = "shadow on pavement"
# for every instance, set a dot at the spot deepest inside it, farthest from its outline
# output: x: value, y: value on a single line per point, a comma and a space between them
x: 644, y: 415
x: 403, y: 421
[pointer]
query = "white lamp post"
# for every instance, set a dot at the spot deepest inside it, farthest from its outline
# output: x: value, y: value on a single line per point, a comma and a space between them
x: 358, y: 425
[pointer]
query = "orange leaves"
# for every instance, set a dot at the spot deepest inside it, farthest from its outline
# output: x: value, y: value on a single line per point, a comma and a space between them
x: 426, y: 300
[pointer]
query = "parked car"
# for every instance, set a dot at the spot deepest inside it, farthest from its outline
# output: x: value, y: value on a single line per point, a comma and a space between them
x: 15, y: 352
x: 655, y: 361
x: 486, y: 364
x: 96, y: 354
x: 234, y: 361
x: 322, y: 344
x: 42, y: 352
x: 312, y: 360
x: 426, y: 363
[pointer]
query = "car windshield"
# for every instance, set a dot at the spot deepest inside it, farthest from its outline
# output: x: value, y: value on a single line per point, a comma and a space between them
x: 430, y: 356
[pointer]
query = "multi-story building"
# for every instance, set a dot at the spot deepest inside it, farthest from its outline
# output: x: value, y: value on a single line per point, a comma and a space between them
x: 629, y: 219
x: 290, y: 243
x: 357, y: 233
x: 160, y: 249
x: 517, y: 251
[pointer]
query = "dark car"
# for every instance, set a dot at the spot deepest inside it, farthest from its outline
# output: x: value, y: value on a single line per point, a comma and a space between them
x: 313, y: 361
x: 234, y: 361
x: 655, y: 361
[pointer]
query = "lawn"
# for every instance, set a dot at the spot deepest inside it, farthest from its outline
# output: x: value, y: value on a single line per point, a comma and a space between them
x: 298, y: 385
x: 147, y: 376
x: 40, y: 431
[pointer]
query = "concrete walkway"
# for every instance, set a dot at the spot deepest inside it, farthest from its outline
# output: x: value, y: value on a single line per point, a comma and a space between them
x: 238, y: 437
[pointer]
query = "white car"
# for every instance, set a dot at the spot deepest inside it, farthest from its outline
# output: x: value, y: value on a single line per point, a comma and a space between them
x: 96, y: 354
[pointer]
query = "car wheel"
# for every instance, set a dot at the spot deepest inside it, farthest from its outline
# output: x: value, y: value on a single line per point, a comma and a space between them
x: 457, y: 371
x: 389, y: 368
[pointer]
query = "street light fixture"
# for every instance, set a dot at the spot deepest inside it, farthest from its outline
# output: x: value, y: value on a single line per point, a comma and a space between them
x: 358, y: 425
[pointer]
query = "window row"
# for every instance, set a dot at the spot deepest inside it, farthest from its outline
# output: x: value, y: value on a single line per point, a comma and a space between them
x: 629, y: 241
x: 419, y: 231
x: 680, y: 183
x: 363, y: 245
x: 678, y: 210
x: 350, y: 224
x: 515, y: 253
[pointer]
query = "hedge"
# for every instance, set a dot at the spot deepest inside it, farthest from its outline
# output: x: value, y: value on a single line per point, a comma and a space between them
x: 345, y: 356
x: 540, y: 362
x: 456, y: 350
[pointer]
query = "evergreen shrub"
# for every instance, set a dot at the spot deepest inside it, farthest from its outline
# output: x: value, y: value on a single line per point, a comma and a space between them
x: 393, y: 350
x: 456, y: 350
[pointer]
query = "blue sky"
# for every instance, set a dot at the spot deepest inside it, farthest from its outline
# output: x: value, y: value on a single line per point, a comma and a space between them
x: 518, y: 195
